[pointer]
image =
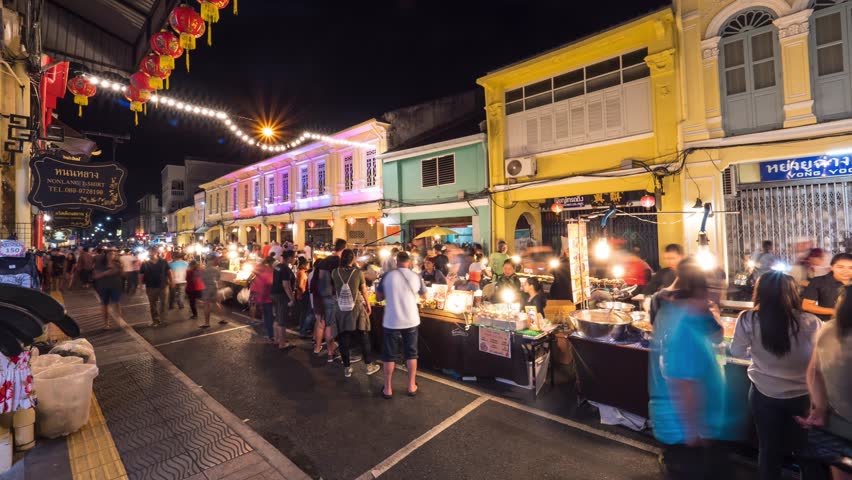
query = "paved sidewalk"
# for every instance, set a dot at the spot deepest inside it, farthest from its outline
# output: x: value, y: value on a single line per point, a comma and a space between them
x: 162, y: 424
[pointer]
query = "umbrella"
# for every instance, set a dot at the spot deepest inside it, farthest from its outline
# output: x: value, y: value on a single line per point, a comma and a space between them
x: 436, y: 231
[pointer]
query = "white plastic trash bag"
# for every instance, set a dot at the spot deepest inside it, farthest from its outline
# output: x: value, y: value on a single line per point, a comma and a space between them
x: 64, y: 395
x: 44, y: 362
x: 76, y: 348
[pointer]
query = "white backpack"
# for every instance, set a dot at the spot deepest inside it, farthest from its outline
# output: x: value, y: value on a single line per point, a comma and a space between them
x: 345, y: 300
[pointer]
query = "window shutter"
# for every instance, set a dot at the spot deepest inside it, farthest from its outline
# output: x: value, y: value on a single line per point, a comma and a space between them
x: 516, y: 136
x: 578, y: 123
x: 612, y: 109
x: 596, y: 118
x: 563, y: 130
x: 532, y: 131
x: 429, y: 172
x: 545, y: 124
x: 446, y: 170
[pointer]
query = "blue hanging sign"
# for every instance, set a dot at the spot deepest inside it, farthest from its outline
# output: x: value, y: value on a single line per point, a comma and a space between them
x: 822, y: 166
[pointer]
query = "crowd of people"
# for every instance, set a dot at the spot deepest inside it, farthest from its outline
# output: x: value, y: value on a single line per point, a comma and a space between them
x: 798, y: 337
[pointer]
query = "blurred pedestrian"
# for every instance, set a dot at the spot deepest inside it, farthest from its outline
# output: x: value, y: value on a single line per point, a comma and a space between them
x: 685, y: 381
x: 830, y: 383
x: 672, y: 256
x: 441, y: 261
x: 178, y: 266
x: 107, y: 279
x: 70, y: 268
x: 303, y: 299
x: 498, y: 258
x: 129, y: 271
x: 764, y: 260
x: 261, y: 288
x: 352, y: 316
x: 778, y: 337
x: 283, y: 297
x: 157, y: 278
x: 194, y: 287
x: 85, y: 267
x: 210, y: 278
x: 322, y: 289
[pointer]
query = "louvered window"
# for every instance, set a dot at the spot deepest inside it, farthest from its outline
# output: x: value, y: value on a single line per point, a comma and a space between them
x: 606, y: 100
x: 438, y: 171
x: 245, y: 195
x: 348, y: 173
x: 234, y: 196
x: 321, y: 178
x: 831, y: 58
x: 226, y: 202
x: 304, y: 181
x: 285, y: 187
x: 270, y: 189
x: 257, y: 193
x: 372, y: 168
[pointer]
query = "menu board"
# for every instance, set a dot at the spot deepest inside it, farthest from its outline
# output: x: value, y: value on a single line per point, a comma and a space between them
x: 496, y: 342
x: 577, y: 244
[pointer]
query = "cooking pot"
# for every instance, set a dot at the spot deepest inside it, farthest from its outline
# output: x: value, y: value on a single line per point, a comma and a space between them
x: 624, y: 307
x: 600, y: 324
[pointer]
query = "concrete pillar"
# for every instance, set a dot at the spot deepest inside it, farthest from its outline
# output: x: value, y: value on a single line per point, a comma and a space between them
x: 663, y: 92
x: 694, y: 124
x: 23, y: 210
x: 798, y: 98
x: 711, y: 93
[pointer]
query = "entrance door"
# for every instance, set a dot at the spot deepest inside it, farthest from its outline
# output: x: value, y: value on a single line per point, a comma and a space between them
x: 788, y: 214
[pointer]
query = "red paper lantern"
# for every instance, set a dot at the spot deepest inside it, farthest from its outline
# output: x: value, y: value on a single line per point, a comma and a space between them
x: 371, y: 221
x: 142, y: 81
x: 248, y: 229
x: 137, y: 98
x: 648, y: 201
x: 312, y: 224
x: 281, y: 226
x: 351, y: 220
x: 82, y: 89
x: 153, y: 67
x: 189, y: 25
x: 330, y: 222
x: 167, y: 45
x: 556, y: 208
x: 210, y: 14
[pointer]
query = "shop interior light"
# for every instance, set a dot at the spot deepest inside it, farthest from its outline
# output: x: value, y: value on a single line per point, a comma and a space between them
x: 781, y: 267
x: 47, y: 217
x: 516, y: 259
x: 751, y: 264
x: 554, y: 263
x: 618, y: 271
x: 384, y: 253
x: 602, y: 249
x: 507, y: 295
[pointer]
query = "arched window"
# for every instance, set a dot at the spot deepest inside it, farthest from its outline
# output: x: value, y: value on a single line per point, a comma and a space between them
x: 830, y: 59
x: 751, y: 73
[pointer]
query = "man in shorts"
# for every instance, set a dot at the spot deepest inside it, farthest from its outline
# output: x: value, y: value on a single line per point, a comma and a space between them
x: 400, y: 288
x: 325, y: 301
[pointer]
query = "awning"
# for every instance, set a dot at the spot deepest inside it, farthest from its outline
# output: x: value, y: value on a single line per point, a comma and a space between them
x: 203, y: 229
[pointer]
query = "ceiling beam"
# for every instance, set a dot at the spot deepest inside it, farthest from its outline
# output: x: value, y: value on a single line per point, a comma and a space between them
x: 132, y: 8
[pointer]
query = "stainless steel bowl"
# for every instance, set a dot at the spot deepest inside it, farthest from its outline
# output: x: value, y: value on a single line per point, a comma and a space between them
x: 641, y: 317
x: 624, y: 307
x: 600, y: 324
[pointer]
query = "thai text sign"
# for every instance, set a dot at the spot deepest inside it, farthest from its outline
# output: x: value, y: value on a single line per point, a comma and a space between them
x: 807, y: 167
x: 496, y: 342
x: 60, y: 183
x: 72, y: 218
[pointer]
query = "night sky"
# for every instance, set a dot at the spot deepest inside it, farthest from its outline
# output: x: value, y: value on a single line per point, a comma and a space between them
x: 323, y: 65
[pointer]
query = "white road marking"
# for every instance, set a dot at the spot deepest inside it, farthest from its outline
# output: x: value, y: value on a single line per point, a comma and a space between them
x: 405, y: 451
x: 202, y: 335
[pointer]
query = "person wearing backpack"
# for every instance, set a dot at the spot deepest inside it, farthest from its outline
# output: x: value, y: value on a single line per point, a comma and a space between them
x: 352, y: 315
x: 325, y: 303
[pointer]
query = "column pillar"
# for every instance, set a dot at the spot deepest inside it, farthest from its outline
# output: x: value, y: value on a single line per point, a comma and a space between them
x: 664, y: 88
x: 798, y: 98
x: 712, y: 94
x: 694, y: 121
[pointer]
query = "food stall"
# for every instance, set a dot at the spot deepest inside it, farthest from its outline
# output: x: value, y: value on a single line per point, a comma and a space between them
x: 459, y: 334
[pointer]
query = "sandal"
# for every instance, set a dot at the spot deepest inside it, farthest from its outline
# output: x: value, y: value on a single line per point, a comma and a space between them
x: 414, y: 393
x: 204, y: 326
x: 385, y: 395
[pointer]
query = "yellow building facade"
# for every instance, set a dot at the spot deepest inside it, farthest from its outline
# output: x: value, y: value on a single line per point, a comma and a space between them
x: 587, y: 120
x: 185, y: 220
x: 766, y: 123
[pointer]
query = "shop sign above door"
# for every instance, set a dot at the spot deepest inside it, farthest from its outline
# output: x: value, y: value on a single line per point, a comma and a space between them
x: 821, y: 166
x: 73, y: 217
x: 597, y: 200
x: 67, y: 184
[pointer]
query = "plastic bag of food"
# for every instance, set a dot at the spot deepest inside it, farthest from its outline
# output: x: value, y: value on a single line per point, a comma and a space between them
x: 64, y: 397
x: 76, y: 348
x: 44, y: 362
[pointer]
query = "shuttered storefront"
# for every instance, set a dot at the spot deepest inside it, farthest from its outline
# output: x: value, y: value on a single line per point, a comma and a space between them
x: 789, y: 213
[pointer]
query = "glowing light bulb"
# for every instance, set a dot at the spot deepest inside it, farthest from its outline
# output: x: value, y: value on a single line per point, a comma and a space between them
x: 516, y: 259
x: 705, y: 258
x: 602, y: 249
x: 267, y: 132
x: 554, y: 263
x: 618, y: 271
x: 384, y: 253
x: 507, y: 295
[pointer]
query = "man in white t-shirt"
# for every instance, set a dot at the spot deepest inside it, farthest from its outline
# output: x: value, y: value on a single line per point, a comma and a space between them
x: 400, y: 288
x: 277, y: 250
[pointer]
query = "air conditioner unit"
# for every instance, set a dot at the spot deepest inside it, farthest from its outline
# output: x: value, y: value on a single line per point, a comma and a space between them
x: 521, y: 167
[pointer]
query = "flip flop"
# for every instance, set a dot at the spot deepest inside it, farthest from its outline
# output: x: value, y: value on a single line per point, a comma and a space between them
x: 385, y: 395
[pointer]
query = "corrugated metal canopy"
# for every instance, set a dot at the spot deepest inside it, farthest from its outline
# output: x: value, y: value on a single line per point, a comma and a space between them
x: 102, y: 35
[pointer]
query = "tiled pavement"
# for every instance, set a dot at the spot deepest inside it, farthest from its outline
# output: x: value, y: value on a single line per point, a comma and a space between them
x: 160, y: 427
